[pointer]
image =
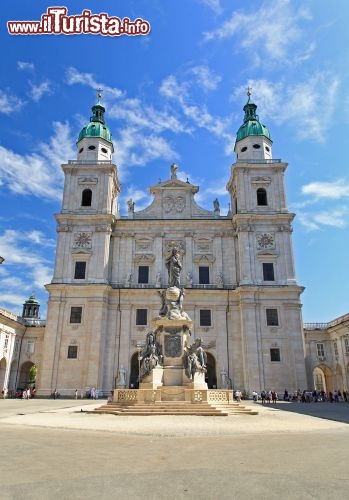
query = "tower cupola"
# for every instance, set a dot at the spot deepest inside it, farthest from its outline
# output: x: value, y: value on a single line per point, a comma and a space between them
x: 253, y: 140
x: 95, y: 141
x: 31, y: 308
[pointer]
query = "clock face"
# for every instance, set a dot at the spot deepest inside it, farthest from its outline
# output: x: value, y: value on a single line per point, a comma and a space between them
x: 265, y: 240
x: 82, y: 240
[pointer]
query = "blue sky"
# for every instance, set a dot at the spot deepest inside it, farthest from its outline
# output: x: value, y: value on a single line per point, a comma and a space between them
x: 177, y: 94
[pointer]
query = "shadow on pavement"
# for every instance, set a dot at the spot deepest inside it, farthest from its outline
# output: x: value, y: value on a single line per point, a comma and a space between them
x: 329, y: 411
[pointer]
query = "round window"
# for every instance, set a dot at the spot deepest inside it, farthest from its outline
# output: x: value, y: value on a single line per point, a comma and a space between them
x: 81, y: 150
x: 92, y: 148
x: 243, y: 149
x: 256, y: 146
x: 104, y: 150
x: 267, y: 149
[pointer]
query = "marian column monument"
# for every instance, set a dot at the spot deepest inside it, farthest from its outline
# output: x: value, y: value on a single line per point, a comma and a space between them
x: 170, y: 357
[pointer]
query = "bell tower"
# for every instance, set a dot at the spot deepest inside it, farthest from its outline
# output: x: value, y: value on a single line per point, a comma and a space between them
x: 267, y: 290
x: 89, y: 207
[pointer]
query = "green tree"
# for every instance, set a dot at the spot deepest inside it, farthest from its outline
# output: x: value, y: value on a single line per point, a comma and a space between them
x: 32, y: 374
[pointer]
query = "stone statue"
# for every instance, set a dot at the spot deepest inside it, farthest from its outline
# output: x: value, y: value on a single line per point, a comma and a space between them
x: 131, y: 205
x: 219, y: 279
x: 121, y: 380
x: 151, y: 355
x: 189, y: 279
x: 128, y: 278
x: 158, y: 279
x: 224, y: 379
x: 216, y: 205
x: 174, y: 171
x: 174, y: 267
x: 194, y: 359
x: 164, y: 307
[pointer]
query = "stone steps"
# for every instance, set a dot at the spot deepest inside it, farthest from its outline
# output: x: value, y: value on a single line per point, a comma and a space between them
x: 173, y: 408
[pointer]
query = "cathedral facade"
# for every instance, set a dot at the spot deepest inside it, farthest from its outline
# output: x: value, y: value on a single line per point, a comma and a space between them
x: 237, y: 273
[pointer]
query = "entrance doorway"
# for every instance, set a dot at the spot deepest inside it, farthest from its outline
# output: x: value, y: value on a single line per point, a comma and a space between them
x: 134, y: 383
x: 211, y: 377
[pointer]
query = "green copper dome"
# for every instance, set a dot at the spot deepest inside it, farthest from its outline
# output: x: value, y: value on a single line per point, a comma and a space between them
x: 97, y: 126
x: 251, y: 125
x: 32, y: 300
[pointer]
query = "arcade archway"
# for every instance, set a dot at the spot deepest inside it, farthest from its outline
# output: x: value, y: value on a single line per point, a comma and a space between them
x: 3, y: 365
x: 24, y: 378
x: 323, y: 378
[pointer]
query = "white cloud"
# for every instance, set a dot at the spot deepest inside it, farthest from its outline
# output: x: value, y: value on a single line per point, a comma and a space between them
x: 198, y: 115
x: 334, y: 190
x: 73, y: 76
x: 135, y: 148
x: 266, y: 33
x: 297, y: 104
x: 213, y: 4
x: 38, y: 173
x: 28, y: 255
x: 205, y: 77
x: 332, y: 217
x: 142, y: 199
x: 37, y: 91
x: 9, y: 103
x: 22, y: 65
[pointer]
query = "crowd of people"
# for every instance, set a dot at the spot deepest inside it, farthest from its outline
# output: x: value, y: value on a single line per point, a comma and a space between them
x: 305, y: 396
x: 27, y: 393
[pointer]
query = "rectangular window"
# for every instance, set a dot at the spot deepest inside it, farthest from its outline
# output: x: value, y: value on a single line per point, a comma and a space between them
x: 141, y: 317
x: 335, y: 349
x: 272, y: 317
x: 346, y: 345
x: 205, y: 317
x: 268, y: 271
x: 30, y: 346
x: 72, y: 352
x: 320, y: 350
x: 16, y: 346
x: 143, y: 274
x: 6, y: 341
x: 204, y: 275
x: 80, y: 270
x: 275, y: 354
x: 75, y: 314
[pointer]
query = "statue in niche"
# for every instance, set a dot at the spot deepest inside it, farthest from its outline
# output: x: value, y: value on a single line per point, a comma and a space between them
x: 174, y: 267
x: 151, y: 355
x: 194, y: 359
x: 158, y: 279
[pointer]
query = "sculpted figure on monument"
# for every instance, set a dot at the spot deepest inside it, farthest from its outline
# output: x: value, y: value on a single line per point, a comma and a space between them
x: 194, y: 359
x: 150, y: 356
x: 174, y: 267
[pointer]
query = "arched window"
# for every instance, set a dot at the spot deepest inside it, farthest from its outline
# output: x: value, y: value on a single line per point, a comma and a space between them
x: 86, y: 199
x: 261, y: 197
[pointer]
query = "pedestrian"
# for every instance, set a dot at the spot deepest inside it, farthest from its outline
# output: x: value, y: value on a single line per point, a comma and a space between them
x: 274, y: 396
x: 76, y: 394
x: 263, y: 397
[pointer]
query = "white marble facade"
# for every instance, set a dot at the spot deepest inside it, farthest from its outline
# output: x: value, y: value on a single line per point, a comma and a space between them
x: 238, y: 273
